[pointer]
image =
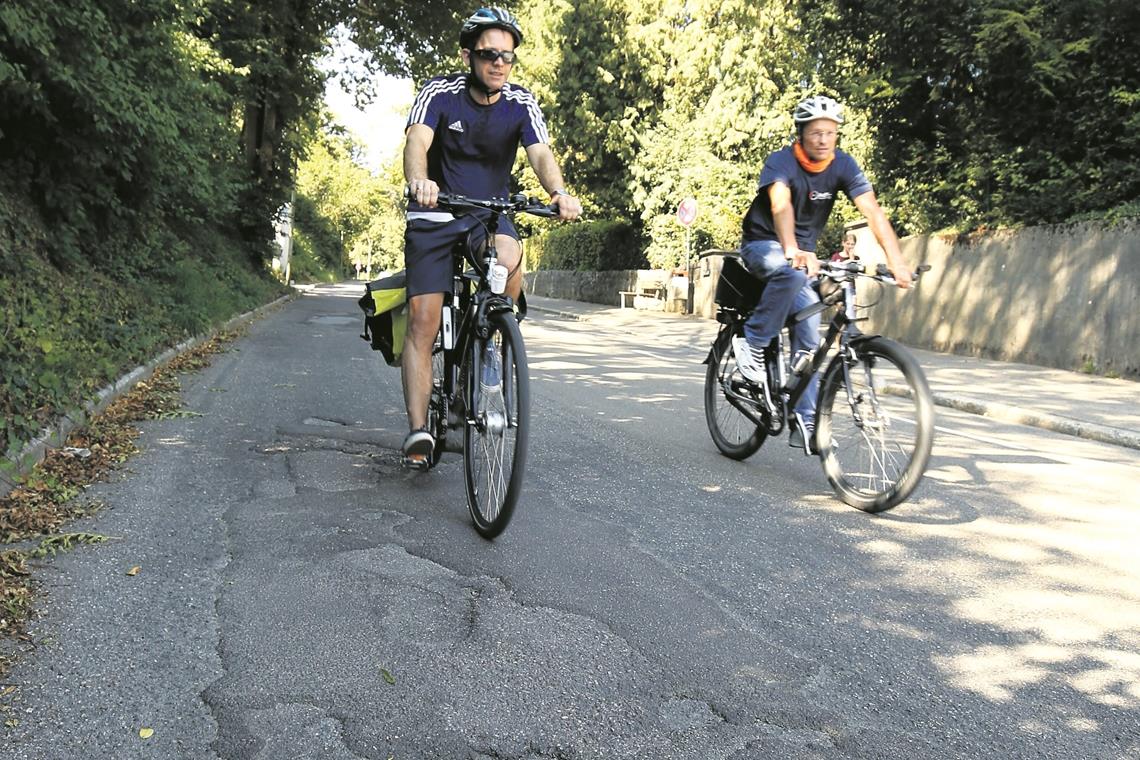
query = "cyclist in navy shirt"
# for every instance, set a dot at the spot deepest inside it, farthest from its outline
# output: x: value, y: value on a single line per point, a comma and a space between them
x: 462, y: 136
x: 798, y: 187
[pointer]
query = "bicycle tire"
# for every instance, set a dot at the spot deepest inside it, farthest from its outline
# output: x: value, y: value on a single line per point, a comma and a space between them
x: 734, y: 433
x: 875, y: 440
x: 496, y: 436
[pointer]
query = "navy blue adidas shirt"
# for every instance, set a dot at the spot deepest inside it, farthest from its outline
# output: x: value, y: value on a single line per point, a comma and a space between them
x: 474, y: 147
x: 813, y: 195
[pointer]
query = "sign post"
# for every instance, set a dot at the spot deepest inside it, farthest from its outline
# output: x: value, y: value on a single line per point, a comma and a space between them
x: 686, y: 215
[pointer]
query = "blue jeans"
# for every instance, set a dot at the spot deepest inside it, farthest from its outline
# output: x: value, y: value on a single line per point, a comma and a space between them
x: 786, y: 291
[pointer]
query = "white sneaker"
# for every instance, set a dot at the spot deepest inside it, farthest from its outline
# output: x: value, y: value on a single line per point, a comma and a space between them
x: 802, y: 435
x: 746, y: 360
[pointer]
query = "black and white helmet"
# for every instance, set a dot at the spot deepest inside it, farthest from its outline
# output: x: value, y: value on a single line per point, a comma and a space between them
x: 491, y: 17
x: 817, y: 107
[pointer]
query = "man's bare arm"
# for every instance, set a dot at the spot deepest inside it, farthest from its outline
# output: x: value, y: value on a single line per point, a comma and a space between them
x: 417, y: 142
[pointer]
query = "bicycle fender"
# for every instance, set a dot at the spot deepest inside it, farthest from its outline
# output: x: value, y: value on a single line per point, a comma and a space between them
x: 863, y: 337
x: 719, y: 346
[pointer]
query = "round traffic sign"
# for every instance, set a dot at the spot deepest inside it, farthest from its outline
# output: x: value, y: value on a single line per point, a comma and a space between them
x: 687, y: 211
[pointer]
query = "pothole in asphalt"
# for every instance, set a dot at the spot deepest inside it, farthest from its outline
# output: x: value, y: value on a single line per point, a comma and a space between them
x: 321, y: 422
x: 331, y: 471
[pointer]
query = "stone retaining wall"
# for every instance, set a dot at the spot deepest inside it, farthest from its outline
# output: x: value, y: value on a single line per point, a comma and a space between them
x: 1063, y: 296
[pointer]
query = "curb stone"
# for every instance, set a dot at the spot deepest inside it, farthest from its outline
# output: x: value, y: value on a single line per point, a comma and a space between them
x: 15, y: 466
x: 1052, y: 422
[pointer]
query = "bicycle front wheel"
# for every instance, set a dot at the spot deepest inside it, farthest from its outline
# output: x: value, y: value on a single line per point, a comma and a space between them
x: 497, y: 431
x: 875, y: 424
x: 735, y: 433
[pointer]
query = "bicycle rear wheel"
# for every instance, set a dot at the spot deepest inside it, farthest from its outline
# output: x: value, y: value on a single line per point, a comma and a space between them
x: 737, y: 435
x: 496, y: 435
x: 875, y: 424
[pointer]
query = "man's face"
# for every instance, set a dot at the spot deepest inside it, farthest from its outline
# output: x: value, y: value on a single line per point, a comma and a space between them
x: 819, y: 139
x: 493, y: 74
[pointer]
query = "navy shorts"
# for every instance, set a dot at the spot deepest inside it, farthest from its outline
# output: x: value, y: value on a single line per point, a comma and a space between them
x: 428, y: 246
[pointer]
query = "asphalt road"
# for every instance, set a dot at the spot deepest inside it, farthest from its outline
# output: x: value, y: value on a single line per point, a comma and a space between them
x: 301, y: 596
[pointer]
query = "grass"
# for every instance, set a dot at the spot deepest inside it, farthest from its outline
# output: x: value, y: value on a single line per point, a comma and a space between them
x: 51, y: 496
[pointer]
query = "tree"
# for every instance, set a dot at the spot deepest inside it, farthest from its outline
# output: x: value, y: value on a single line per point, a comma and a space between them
x: 991, y: 111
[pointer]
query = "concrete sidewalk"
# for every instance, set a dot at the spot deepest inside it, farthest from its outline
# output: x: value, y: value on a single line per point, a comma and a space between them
x: 1087, y: 406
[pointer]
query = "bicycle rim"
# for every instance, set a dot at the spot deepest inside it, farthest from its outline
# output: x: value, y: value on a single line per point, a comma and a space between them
x: 875, y: 425
x: 735, y: 434
x: 496, y: 434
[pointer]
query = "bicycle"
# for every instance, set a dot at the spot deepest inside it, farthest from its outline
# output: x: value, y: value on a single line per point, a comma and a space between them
x: 875, y: 414
x: 480, y: 380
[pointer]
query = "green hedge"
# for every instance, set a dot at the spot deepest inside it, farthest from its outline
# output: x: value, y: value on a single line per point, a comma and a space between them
x: 589, y: 246
x: 69, y: 331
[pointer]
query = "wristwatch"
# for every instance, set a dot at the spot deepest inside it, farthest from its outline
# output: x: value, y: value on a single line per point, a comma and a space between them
x: 560, y: 191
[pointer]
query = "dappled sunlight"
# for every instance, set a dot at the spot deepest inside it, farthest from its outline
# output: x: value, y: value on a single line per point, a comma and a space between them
x: 998, y: 672
x: 555, y: 365
x: 347, y: 289
x: 949, y: 474
x: 639, y: 376
x: 1053, y: 573
x: 884, y: 548
x: 657, y: 398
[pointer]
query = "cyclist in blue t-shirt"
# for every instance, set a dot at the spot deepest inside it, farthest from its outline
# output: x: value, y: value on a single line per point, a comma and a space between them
x: 462, y: 135
x: 798, y: 186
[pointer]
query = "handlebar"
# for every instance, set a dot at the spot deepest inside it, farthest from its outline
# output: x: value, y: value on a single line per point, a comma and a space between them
x: 836, y: 270
x: 517, y: 203
x: 841, y: 270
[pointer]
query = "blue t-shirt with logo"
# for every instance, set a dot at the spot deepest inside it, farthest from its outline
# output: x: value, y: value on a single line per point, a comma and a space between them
x: 474, y: 147
x: 813, y: 195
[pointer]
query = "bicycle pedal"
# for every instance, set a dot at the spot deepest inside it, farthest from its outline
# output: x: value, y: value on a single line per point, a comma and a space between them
x: 423, y: 464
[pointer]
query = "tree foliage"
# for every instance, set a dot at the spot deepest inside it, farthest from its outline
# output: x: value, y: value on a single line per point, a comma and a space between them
x: 966, y: 113
x: 345, y: 214
x: 992, y: 112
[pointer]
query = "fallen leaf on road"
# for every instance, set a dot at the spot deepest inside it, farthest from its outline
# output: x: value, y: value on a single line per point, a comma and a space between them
x: 387, y: 676
x: 146, y: 733
x: 134, y: 570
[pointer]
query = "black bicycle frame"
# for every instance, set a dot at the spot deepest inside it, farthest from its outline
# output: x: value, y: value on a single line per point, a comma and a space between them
x: 469, y: 310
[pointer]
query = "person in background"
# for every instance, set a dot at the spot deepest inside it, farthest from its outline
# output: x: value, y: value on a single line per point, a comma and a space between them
x: 847, y: 253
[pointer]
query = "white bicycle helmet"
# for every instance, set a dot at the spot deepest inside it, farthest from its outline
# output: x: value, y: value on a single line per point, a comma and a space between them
x: 491, y: 17
x: 817, y: 107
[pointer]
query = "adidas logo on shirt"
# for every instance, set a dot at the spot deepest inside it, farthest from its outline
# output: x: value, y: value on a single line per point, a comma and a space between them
x: 456, y: 126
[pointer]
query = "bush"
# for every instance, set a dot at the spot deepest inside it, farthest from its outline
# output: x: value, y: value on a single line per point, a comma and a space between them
x: 589, y: 247
x: 68, y: 331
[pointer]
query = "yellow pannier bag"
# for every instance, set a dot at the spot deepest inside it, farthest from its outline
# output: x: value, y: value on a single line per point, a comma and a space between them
x: 386, y: 316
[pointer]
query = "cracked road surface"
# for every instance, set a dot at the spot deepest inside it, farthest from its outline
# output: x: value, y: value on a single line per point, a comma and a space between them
x: 302, y: 596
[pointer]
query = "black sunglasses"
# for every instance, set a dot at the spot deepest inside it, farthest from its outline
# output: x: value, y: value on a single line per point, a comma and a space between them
x: 490, y: 56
